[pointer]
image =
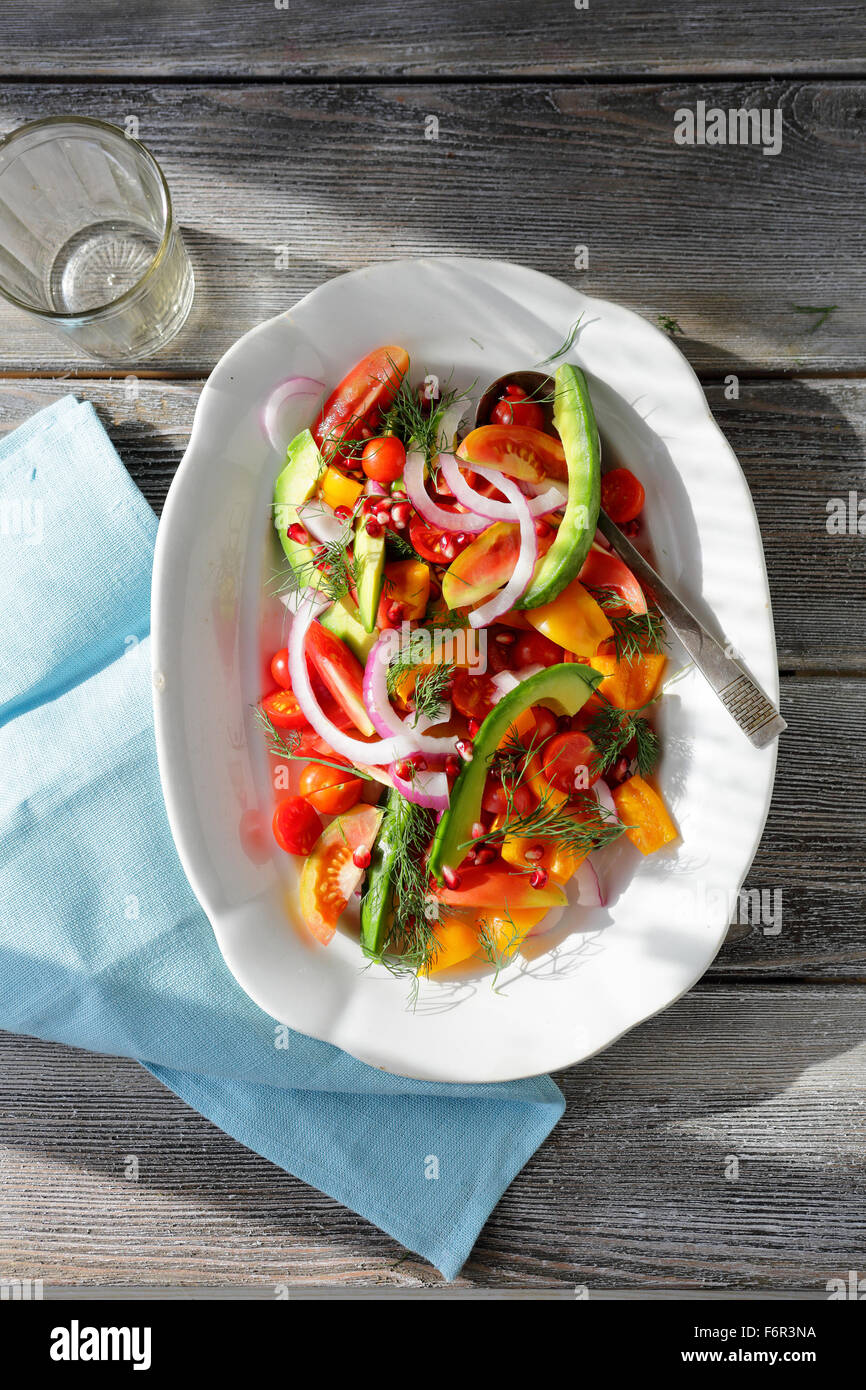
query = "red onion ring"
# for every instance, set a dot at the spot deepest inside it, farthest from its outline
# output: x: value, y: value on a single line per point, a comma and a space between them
x: 384, y: 718
x: 413, y: 477
x: 428, y: 788
x: 286, y: 391
x: 550, y: 500
x: 521, y: 575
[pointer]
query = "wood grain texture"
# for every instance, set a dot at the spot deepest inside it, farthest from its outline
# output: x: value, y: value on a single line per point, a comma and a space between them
x: 630, y: 1190
x: 221, y: 37
x: 800, y: 443
x: 722, y: 239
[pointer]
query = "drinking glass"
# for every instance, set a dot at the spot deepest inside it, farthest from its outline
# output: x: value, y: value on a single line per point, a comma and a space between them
x: 88, y: 243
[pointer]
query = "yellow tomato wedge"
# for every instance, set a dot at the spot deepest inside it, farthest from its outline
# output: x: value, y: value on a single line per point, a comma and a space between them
x: 338, y: 490
x: 573, y: 620
x: 644, y: 815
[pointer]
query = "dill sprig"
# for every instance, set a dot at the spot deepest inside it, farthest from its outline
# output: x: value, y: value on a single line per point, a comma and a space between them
x: 499, y: 952
x: 612, y: 729
x: 432, y: 690
x: 566, y: 346
x: 410, y: 945
x: 634, y: 634
x: 411, y: 422
x: 578, y: 831
x: 287, y: 747
x: 330, y: 561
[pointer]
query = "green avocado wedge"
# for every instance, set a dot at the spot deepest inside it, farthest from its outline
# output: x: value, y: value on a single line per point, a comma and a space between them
x: 369, y: 564
x: 344, y: 620
x: 376, y: 903
x: 294, y: 486
x: 563, y: 689
x: 574, y: 419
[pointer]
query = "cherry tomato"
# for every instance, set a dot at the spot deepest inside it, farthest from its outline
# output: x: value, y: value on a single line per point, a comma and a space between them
x: 496, y: 803
x: 622, y: 495
x: 328, y: 789
x: 472, y: 695
x: 383, y: 460
x: 533, y: 649
x: 358, y: 401
x: 280, y: 669
x: 545, y: 724
x: 515, y: 408
x: 283, y: 710
x: 296, y: 825
x: 568, y: 762
x: 434, y: 544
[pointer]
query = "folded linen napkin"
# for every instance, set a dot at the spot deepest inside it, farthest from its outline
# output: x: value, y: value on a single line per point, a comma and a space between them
x: 102, y: 943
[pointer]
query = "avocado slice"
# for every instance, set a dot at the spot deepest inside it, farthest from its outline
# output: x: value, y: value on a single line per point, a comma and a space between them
x: 377, y: 900
x: 563, y: 688
x: 295, y: 485
x: 574, y: 418
x: 344, y: 620
x: 369, y: 564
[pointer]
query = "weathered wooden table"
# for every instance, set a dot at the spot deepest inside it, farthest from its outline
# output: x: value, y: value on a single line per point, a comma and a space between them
x: 306, y: 128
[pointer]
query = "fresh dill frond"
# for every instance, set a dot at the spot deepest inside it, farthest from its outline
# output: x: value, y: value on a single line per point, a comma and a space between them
x: 668, y: 325
x: 410, y: 945
x: 634, y: 634
x: 416, y: 426
x: 566, y: 346
x: 822, y: 310
x: 496, y: 951
x: 432, y: 690
x: 612, y: 730
x: 402, y: 548
x: 286, y: 746
x: 330, y: 565
x: 578, y: 831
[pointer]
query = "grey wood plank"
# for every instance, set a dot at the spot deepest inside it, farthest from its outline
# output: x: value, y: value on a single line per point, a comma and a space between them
x: 801, y: 443
x: 512, y: 36
x: 629, y: 1191
x: 721, y: 239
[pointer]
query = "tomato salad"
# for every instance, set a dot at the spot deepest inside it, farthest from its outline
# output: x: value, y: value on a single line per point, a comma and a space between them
x: 466, y: 690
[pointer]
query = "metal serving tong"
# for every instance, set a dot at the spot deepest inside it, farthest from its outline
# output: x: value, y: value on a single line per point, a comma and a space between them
x: 744, y: 700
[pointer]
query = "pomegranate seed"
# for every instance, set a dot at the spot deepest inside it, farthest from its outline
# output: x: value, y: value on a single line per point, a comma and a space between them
x: 452, y: 765
x: 397, y: 495
x: 485, y: 855
x: 541, y: 528
x: 534, y: 853
x: 477, y: 830
x: 401, y: 513
x: 464, y: 748
x: 373, y: 527
x: 473, y: 726
x: 460, y: 538
x: 505, y: 639
x: 298, y: 533
x: 403, y: 769
x: 419, y: 762
x: 361, y: 858
x: 538, y: 878
x: 342, y: 513
x: 393, y: 611
x: 365, y: 433
x: 451, y: 877
x: 382, y: 514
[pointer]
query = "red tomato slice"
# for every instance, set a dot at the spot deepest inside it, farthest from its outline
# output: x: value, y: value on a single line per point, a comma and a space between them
x: 341, y: 673
x: 283, y: 710
x: 434, y: 544
x: 604, y: 570
x: 360, y: 399
x: 296, y: 825
x: 622, y: 495
x: 568, y: 762
x: 472, y: 695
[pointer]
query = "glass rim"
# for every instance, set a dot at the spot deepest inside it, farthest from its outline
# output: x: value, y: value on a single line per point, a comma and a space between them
x: 168, y: 217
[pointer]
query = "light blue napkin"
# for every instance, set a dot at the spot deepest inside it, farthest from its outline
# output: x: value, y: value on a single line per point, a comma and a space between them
x: 102, y: 943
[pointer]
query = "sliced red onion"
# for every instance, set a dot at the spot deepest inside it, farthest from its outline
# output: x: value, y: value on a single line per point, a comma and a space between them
x: 428, y: 788
x: 286, y: 391
x: 605, y: 799
x: 506, y: 681
x: 413, y: 477
x: 589, y: 890
x: 505, y: 599
x: 320, y: 521
x: 384, y: 718
x: 352, y: 748
x: 550, y: 500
